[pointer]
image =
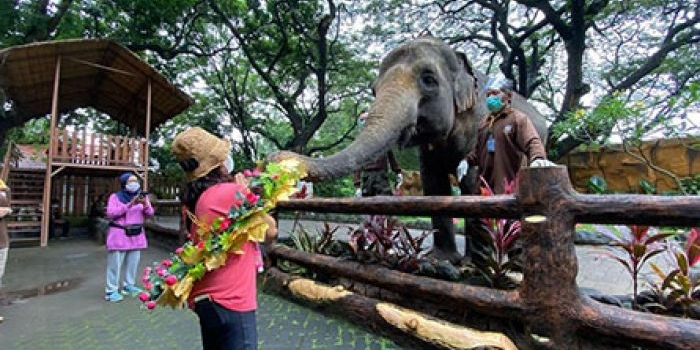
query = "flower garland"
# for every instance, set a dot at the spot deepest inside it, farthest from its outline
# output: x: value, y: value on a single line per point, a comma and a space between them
x: 170, y: 281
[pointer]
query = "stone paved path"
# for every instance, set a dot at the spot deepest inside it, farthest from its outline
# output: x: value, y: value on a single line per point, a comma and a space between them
x: 78, y: 317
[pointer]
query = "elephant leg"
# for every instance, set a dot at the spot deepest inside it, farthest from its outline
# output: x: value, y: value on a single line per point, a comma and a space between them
x: 435, y: 181
x: 477, y: 241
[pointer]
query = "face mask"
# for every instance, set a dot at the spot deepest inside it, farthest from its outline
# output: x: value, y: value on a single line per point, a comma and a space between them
x: 494, y: 103
x: 361, y: 123
x: 132, y: 187
x: 228, y: 164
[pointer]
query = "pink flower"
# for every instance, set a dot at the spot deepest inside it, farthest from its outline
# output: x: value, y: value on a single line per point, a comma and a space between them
x: 166, y: 262
x: 160, y: 272
x: 170, y: 280
x: 200, y: 245
x: 252, y: 197
x: 148, y: 285
x: 179, y: 250
x: 247, y: 173
x: 147, y: 270
x: 144, y: 278
x: 256, y: 172
x: 189, y: 236
x: 225, y: 224
x: 151, y: 305
x: 143, y: 296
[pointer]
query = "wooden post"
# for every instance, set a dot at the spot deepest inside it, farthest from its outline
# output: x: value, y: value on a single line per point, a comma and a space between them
x: 549, y: 288
x: 46, y: 199
x: 147, y: 134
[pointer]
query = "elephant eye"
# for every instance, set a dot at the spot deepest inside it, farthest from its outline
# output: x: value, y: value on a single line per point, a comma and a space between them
x: 428, y: 81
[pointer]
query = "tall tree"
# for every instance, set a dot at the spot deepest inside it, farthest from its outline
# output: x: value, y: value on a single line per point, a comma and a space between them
x: 307, y: 72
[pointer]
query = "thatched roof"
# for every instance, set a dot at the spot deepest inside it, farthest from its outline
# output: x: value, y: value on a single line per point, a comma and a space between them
x: 97, y: 73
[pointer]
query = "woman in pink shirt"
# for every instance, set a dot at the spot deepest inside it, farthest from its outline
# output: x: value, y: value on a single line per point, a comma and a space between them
x: 126, y: 210
x: 225, y: 298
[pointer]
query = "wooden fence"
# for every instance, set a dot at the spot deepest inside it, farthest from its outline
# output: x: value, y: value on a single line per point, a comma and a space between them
x: 76, y: 193
x: 81, y: 147
x: 553, y: 312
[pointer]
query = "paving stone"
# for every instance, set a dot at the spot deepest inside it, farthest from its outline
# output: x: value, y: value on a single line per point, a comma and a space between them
x: 79, y: 318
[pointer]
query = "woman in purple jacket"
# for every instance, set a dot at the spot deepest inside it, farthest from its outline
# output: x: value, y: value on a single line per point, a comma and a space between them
x: 127, y: 210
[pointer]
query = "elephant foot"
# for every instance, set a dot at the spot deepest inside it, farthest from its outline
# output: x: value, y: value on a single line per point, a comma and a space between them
x: 452, y: 255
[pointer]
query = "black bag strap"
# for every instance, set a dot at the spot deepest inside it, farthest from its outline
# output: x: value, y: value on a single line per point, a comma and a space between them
x: 114, y: 224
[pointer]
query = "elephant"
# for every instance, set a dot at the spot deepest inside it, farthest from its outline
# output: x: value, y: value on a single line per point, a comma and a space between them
x: 426, y: 95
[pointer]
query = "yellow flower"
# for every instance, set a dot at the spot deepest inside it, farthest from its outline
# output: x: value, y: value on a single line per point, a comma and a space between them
x: 192, y: 256
x: 168, y: 298
x: 182, y: 289
x: 256, y: 228
x: 215, y: 261
x: 293, y: 167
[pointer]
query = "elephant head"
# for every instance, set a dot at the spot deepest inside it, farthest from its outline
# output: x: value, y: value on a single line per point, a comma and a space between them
x: 422, y: 90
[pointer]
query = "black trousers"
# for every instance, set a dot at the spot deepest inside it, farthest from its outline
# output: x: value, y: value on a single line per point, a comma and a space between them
x: 224, y: 329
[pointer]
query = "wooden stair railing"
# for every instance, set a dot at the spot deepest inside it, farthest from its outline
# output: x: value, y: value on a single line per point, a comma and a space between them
x: 24, y: 224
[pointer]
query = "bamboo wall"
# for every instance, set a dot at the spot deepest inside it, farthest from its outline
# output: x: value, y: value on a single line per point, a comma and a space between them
x: 623, y: 172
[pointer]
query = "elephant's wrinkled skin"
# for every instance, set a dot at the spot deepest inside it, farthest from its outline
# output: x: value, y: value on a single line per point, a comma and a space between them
x: 428, y: 96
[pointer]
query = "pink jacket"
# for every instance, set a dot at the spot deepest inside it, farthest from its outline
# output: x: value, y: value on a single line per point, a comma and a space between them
x: 123, y: 214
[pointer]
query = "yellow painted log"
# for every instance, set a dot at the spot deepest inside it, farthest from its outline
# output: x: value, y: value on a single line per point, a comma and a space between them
x: 315, y: 292
x: 442, y: 333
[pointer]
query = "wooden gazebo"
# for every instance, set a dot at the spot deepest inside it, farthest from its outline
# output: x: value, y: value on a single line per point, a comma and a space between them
x: 61, y: 76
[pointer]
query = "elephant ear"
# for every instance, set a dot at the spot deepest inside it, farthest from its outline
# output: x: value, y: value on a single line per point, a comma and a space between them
x: 464, y: 84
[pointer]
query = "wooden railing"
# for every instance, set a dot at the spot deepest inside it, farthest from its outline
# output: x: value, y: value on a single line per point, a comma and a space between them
x: 81, y: 147
x: 554, y: 312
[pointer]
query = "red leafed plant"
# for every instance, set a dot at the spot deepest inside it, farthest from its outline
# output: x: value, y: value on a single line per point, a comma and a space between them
x: 387, y: 241
x: 639, y: 245
x: 678, y: 288
x: 501, y: 235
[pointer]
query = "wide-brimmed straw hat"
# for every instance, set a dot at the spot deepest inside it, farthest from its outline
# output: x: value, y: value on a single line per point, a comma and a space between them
x: 198, y: 152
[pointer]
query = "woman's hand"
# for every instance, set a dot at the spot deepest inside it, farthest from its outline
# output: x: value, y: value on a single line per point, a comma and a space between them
x: 271, y: 233
x: 241, y: 180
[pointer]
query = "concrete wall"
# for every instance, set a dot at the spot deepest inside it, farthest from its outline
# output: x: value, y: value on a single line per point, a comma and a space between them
x: 623, y: 172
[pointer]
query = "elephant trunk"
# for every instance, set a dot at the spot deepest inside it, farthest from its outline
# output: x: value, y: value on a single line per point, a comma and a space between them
x: 393, y: 112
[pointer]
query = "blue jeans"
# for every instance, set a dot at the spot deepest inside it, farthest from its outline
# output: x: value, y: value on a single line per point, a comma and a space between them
x: 224, y: 329
x: 115, y: 260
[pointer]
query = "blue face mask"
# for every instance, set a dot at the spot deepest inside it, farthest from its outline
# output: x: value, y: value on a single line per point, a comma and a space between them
x: 361, y: 123
x: 494, y: 103
x: 132, y: 187
x: 229, y: 163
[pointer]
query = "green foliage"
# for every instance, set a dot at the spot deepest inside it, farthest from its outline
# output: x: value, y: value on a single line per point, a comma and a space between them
x: 647, y: 187
x: 321, y: 242
x: 593, y: 126
x: 678, y: 289
x: 408, y: 158
x: 691, y: 185
x: 339, y: 187
x: 35, y: 131
x: 597, y: 184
